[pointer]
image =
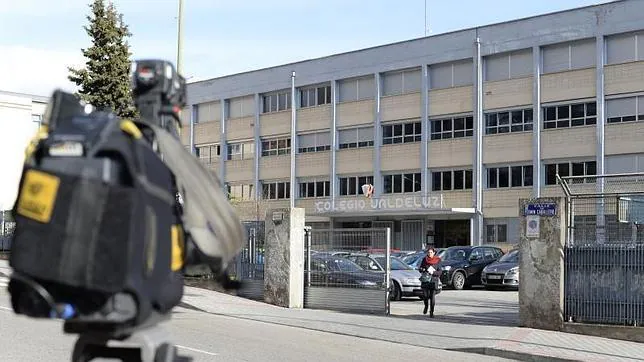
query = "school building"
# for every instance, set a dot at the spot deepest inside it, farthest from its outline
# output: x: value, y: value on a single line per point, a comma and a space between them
x: 451, y: 129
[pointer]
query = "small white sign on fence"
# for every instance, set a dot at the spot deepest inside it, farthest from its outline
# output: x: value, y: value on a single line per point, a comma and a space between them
x: 532, y: 226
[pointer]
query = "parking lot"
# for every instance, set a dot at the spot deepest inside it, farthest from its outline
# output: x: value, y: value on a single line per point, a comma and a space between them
x: 474, y: 306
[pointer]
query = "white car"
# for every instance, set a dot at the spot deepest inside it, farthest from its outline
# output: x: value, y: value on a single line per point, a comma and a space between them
x: 405, y: 279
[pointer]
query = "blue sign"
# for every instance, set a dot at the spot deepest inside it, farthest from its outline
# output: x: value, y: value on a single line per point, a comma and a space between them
x: 544, y: 209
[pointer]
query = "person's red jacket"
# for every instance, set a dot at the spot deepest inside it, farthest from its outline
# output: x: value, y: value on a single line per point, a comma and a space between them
x: 430, y: 261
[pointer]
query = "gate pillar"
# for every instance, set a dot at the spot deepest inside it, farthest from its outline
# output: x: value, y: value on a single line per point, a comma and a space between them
x: 284, y: 258
x: 541, y: 266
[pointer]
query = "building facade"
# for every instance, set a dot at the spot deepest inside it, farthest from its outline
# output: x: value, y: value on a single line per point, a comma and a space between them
x: 451, y: 130
x: 20, y: 117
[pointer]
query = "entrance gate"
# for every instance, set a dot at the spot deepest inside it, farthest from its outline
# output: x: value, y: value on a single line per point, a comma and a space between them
x: 333, y: 281
x: 604, y: 249
x: 249, y: 263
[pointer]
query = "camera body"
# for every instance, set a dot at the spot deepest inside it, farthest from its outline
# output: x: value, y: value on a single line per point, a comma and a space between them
x: 100, y: 239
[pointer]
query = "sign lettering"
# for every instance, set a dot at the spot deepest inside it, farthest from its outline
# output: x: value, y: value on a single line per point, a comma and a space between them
x: 543, y: 209
x: 400, y: 203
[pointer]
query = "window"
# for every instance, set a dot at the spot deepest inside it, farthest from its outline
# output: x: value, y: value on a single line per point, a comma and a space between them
x: 355, y: 137
x: 570, y: 115
x: 208, y: 112
x: 497, y: 233
x: 509, y: 176
x: 401, y: 133
x: 208, y: 154
x: 314, y: 142
x: 241, y: 192
x: 315, y: 189
x: 508, y: 121
x: 316, y: 96
x: 453, y: 74
x: 510, y: 65
x: 277, y: 146
x: 624, y: 48
x: 563, y: 169
x: 357, y: 89
x: 401, y: 82
x: 276, y: 190
x: 455, y: 127
x: 628, y: 109
x: 276, y: 102
x: 402, y: 183
x: 452, y: 180
x: 240, y: 151
x: 353, y: 185
x: 36, y: 118
x: 241, y: 107
x: 569, y: 56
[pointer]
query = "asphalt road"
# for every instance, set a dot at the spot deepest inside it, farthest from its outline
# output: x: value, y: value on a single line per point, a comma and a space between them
x: 474, y: 306
x: 210, y: 337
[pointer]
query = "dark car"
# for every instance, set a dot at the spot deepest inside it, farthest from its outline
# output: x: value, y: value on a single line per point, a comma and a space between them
x: 462, y: 265
x: 503, y: 272
x: 336, y: 271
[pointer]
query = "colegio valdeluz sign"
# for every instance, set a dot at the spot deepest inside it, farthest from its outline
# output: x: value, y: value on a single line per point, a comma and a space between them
x: 393, y: 203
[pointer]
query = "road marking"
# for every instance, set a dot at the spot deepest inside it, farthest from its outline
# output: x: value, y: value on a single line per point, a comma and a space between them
x: 177, y: 345
x: 197, y: 350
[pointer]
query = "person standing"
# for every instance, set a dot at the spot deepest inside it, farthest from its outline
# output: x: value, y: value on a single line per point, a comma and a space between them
x: 430, y: 265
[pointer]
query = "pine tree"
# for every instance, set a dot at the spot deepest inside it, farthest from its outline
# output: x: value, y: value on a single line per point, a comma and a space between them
x: 105, y: 82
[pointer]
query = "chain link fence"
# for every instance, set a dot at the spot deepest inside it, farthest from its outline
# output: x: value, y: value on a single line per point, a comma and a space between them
x: 604, y: 250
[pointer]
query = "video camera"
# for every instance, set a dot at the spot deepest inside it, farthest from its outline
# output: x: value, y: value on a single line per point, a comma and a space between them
x: 109, y: 213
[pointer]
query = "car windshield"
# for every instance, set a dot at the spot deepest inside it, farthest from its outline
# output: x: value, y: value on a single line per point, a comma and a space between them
x: 346, y: 265
x: 396, y: 264
x: 511, y: 257
x: 410, y: 259
x: 454, y: 254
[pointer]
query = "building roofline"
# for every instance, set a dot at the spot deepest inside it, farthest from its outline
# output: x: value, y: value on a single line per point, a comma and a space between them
x: 34, y: 97
x: 604, y: 3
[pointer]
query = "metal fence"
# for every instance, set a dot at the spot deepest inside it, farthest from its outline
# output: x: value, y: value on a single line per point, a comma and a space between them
x: 7, y: 226
x: 249, y: 263
x: 348, y: 269
x: 604, y: 250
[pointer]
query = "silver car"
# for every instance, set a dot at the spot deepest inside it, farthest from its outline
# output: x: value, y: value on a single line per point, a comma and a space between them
x: 405, y: 279
x: 503, y: 272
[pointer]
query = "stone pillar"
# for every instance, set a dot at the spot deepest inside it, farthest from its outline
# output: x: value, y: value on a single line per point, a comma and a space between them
x: 541, y: 266
x: 284, y: 258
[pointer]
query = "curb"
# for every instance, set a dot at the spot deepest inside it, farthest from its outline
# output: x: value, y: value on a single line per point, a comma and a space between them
x: 518, y: 356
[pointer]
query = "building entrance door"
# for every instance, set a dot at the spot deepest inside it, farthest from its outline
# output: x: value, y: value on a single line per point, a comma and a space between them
x: 412, y: 235
x: 451, y: 233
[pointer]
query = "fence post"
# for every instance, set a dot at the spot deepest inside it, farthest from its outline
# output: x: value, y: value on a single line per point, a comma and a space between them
x: 308, y: 255
x: 388, y: 273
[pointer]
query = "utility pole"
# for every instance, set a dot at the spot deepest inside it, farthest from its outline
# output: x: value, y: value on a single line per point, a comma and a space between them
x: 425, y: 17
x: 179, y: 37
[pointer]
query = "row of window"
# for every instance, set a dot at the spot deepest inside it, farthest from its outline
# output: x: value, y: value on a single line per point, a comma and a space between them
x: 497, y: 177
x: 627, y: 109
x: 579, y: 54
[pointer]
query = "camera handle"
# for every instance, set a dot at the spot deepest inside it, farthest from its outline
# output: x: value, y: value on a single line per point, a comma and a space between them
x: 152, y: 344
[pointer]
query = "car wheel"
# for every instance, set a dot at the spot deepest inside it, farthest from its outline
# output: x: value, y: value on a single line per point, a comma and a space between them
x: 458, y: 280
x: 396, y: 293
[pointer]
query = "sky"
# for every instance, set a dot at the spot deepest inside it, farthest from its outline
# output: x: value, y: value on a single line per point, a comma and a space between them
x: 41, y: 38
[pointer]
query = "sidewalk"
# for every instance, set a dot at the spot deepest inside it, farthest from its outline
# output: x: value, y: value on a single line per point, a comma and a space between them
x: 508, y: 342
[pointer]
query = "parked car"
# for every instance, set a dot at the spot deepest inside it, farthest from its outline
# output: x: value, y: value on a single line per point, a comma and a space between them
x: 503, y: 273
x: 414, y: 260
x: 462, y: 265
x: 336, y: 271
x: 405, y: 279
